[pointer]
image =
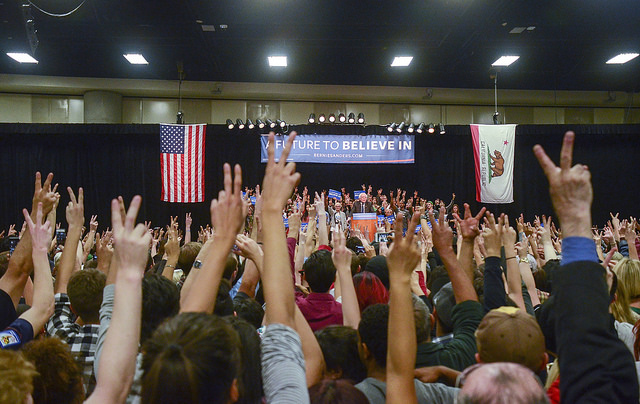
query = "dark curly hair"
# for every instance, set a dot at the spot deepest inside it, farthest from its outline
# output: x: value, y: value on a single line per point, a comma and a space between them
x: 373, y: 331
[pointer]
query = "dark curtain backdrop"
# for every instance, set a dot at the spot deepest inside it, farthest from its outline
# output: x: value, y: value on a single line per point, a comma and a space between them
x: 112, y: 160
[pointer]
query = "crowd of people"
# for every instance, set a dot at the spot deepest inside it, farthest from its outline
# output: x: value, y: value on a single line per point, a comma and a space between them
x: 281, y: 298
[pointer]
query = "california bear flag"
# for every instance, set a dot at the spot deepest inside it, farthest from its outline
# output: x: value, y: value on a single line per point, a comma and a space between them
x: 493, y: 151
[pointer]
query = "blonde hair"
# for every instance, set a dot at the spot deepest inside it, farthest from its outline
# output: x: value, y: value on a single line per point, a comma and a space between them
x: 16, y: 377
x: 628, y: 273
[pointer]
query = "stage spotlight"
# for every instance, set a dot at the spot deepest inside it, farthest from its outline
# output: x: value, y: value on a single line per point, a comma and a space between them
x: 240, y: 124
x: 400, y: 127
x: 391, y: 127
x: 342, y: 118
x: 332, y: 118
x: 250, y: 124
x: 411, y: 128
x: 280, y: 123
x: 230, y: 124
x: 361, y: 118
x: 322, y: 118
x: 260, y: 123
x: 312, y: 118
x: 441, y: 127
x: 432, y: 129
x: 420, y: 127
x: 271, y: 124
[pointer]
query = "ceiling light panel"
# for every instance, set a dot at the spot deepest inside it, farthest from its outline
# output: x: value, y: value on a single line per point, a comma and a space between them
x: 22, y: 57
x: 505, y: 60
x: 135, y: 59
x: 401, y: 61
x: 277, y: 61
x: 622, y: 58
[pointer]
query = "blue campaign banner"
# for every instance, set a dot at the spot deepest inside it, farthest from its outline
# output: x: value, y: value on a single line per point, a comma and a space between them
x: 335, y: 194
x: 356, y: 194
x: 390, y: 219
x: 286, y: 222
x: 345, y: 149
x: 253, y: 200
x: 380, y: 220
x: 304, y: 226
x: 418, y: 227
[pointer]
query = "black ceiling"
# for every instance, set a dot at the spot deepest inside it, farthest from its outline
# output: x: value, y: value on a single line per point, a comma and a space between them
x: 453, y: 42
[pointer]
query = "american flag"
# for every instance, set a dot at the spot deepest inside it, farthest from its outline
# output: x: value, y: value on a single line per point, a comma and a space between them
x: 182, y: 162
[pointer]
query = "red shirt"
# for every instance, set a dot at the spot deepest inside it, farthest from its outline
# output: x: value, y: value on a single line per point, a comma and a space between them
x: 320, y: 310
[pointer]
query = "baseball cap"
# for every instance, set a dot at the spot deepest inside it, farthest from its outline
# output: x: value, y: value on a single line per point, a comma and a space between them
x: 508, y: 334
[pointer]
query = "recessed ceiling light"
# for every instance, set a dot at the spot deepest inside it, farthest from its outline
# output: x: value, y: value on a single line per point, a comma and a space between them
x: 505, y: 60
x: 22, y: 57
x: 277, y: 61
x: 517, y: 30
x: 208, y: 27
x: 401, y: 61
x: 135, y: 59
x: 622, y: 58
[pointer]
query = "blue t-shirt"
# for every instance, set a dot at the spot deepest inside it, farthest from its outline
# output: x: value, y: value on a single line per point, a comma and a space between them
x: 16, y: 335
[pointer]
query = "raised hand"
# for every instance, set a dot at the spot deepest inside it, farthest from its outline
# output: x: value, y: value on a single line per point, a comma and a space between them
x: 280, y: 178
x: 45, y: 194
x: 187, y: 220
x: 570, y: 189
x: 340, y: 255
x: 249, y: 248
x: 509, y: 235
x: 469, y: 224
x: 93, y: 223
x: 492, y: 235
x: 40, y: 232
x: 228, y: 211
x: 319, y: 203
x: 75, y: 209
x: 441, y: 233
x: 12, y: 230
x: 131, y: 242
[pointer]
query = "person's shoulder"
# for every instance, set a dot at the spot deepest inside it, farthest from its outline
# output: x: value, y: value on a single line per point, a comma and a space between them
x: 434, y: 392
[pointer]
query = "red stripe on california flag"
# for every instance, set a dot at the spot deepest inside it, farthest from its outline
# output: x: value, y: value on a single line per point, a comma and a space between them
x: 475, y: 135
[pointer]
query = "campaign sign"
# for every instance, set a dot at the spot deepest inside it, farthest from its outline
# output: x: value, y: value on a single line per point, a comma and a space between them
x: 365, y: 221
x: 345, y: 149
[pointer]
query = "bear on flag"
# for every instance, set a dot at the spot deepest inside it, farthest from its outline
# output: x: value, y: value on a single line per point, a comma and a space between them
x: 493, y: 152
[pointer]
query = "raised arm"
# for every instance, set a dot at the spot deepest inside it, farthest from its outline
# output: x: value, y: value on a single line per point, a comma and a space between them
x: 469, y: 230
x: 21, y: 263
x: 323, y: 232
x: 88, y: 243
x: 75, y: 219
x: 42, y: 306
x: 172, y: 250
x: 227, y: 217
x: 251, y: 250
x: 279, y: 180
x: 187, y: 228
x: 402, y: 344
x: 494, y: 293
x: 545, y: 238
x: 442, y: 238
x: 342, y: 261
x: 118, y: 360
x: 514, y: 280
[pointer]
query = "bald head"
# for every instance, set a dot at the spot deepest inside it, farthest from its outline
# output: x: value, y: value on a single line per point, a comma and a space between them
x: 501, y: 383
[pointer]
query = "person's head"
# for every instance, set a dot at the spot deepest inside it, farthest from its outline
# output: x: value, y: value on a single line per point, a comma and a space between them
x: 369, y: 290
x: 372, y: 335
x: 443, y: 302
x: 338, y: 206
x: 429, y: 205
x: 188, y: 254
x: 16, y: 378
x: 455, y: 208
x: 250, y: 380
x: 249, y: 310
x: 378, y: 266
x: 4, y: 262
x: 230, y: 267
x: 498, y: 383
x: 336, y: 392
x: 362, y: 197
x: 339, y: 346
x: 193, y: 357
x: 508, y: 334
x: 85, y: 294
x: 628, y: 272
x: 224, y: 303
x: 353, y: 243
x: 160, y: 301
x: 319, y: 271
x: 422, y: 319
x: 59, y: 379
x: 355, y: 263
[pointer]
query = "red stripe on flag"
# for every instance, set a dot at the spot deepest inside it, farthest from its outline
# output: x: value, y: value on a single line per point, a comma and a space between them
x: 201, y: 163
x: 475, y: 135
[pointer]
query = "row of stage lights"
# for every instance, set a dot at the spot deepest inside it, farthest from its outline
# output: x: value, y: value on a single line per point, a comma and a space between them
x: 420, y: 128
x: 280, y: 125
x: 342, y: 118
